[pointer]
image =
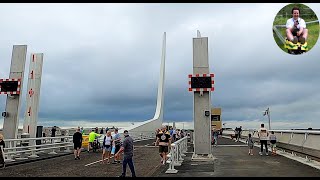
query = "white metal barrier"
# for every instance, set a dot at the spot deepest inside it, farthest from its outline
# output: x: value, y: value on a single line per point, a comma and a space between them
x: 18, y: 148
x: 176, y: 154
x: 24, y: 148
x: 302, y: 141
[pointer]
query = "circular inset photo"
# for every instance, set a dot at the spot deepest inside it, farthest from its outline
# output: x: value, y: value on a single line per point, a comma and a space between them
x: 296, y: 29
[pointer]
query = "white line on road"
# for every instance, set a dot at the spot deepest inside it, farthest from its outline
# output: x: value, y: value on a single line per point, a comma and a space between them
x: 97, y: 161
x: 232, y: 145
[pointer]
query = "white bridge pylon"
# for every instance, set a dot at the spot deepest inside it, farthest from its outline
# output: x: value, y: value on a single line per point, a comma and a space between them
x: 156, y: 121
x: 33, y: 94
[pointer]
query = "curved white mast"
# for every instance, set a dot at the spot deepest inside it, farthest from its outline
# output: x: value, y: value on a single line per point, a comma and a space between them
x: 156, y: 121
x: 160, y: 98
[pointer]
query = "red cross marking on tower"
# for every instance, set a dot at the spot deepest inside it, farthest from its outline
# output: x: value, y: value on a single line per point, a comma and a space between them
x: 31, y: 92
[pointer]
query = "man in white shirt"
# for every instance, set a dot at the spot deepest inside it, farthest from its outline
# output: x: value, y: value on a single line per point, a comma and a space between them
x: 263, y: 135
x: 296, y: 27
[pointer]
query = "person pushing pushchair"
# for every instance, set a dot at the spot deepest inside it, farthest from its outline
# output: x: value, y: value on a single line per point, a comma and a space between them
x: 93, y: 141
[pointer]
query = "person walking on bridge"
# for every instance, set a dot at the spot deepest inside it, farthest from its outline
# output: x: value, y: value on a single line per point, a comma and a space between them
x: 263, y: 135
x: 164, y: 142
x: 117, y: 141
x: 236, y: 131
x: 2, y: 145
x: 215, y: 137
x: 77, y: 142
x: 239, y: 133
x: 101, y: 131
x: 107, y: 147
x: 92, y: 136
x: 273, y: 141
x: 53, y: 132
x: 127, y: 149
x: 250, y: 142
x: 81, y: 130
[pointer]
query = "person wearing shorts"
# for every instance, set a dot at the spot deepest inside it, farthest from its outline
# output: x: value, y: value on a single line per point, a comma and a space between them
x: 107, y: 146
x: 117, y: 140
x: 273, y: 141
x: 250, y: 144
x: 164, y: 142
x: 77, y: 142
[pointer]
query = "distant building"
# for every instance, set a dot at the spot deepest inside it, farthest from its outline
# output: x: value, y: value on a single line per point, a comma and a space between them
x: 216, y: 121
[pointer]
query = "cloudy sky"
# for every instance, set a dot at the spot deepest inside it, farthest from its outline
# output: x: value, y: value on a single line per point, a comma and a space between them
x: 102, y: 62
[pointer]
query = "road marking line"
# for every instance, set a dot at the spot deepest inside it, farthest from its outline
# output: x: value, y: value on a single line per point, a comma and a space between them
x: 232, y: 145
x: 144, y: 146
x: 97, y: 161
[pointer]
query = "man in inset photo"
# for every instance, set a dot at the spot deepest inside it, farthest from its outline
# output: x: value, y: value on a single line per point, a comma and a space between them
x: 296, y: 27
x: 290, y: 29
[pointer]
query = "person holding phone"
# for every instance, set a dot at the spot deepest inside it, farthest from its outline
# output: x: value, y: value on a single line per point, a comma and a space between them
x: 296, y: 27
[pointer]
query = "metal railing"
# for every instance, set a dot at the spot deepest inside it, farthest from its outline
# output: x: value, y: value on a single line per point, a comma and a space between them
x: 24, y: 148
x: 305, y: 142
x: 18, y: 148
x: 177, y: 151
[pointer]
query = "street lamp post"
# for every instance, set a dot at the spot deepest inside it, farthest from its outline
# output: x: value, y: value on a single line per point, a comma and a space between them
x: 269, y: 119
x: 267, y: 112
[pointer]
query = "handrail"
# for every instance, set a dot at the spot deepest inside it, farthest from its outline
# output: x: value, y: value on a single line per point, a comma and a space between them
x: 24, y: 147
x: 279, y: 130
x: 31, y: 150
x: 298, y: 131
x: 18, y: 147
x: 279, y: 34
x: 301, y: 141
x: 38, y: 138
x: 177, y: 151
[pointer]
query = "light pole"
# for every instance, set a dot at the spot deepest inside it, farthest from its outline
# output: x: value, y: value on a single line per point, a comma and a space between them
x: 269, y: 119
x: 267, y: 112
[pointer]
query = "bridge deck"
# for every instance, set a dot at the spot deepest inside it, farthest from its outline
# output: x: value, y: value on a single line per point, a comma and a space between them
x: 231, y: 159
x: 146, y: 160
